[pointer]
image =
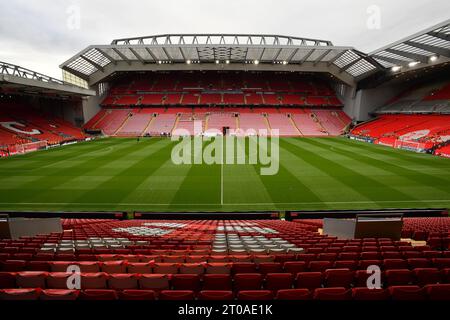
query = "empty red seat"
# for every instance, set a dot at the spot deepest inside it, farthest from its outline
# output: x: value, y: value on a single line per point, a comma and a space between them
x: 419, y: 263
x: 248, y: 281
x: 426, y: 276
x: 391, y: 255
x: 307, y: 257
x: 94, y: 280
x: 122, y: 281
x: 186, y: 282
x: 176, y: 295
x: 7, y: 280
x: 398, y: 277
x: 278, y: 281
x: 370, y: 294
x: 395, y: 264
x: 131, y: 294
x: 319, y: 266
x: 336, y: 293
x: 139, y: 267
x: 31, y: 279
x: 346, y: 264
x: 348, y: 256
x: 411, y: 293
x: 192, y: 268
x: 154, y: 282
x: 328, y: 256
x: 215, y: 295
x: 255, y: 295
x: 114, y: 266
x: 38, y: 266
x: 361, y: 277
x: 217, y: 282
x: 59, y: 294
x: 19, y: 294
x: 270, y: 267
x: 369, y: 255
x: 441, y: 263
x: 98, y: 294
x: 294, y: 267
x: 308, y: 280
x: 13, y: 265
x: 339, y: 278
x: 244, y: 267
x: 293, y: 294
x: 89, y: 266
x: 218, y: 268
x: 438, y: 291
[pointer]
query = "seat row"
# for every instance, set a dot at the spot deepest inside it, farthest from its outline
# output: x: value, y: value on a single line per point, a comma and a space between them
x: 200, y: 267
x: 240, y: 281
x: 430, y: 292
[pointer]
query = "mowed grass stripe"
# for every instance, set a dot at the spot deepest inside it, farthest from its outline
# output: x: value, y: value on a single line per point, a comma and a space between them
x: 420, y: 159
x: 440, y: 187
x: 202, y: 185
x: 46, y: 186
x: 324, y: 185
x: 120, y: 185
x: 284, y: 187
x: 361, y: 183
x: 242, y: 182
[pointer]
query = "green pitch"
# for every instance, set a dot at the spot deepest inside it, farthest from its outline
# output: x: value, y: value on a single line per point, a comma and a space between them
x: 314, y: 174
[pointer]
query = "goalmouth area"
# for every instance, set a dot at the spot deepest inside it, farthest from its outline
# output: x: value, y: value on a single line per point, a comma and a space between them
x: 314, y: 174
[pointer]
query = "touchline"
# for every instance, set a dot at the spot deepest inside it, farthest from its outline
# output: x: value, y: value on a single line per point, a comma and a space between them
x: 261, y: 149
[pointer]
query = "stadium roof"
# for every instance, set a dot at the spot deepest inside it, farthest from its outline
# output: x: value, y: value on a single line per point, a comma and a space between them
x: 20, y: 79
x: 220, y: 52
x: 428, y: 47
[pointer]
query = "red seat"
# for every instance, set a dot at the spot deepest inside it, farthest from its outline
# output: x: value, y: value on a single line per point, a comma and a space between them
x: 244, y: 267
x: 154, y: 282
x: 31, y: 279
x: 93, y: 280
x: 89, y: 266
x: 348, y: 256
x: 186, y: 282
x: 278, y: 281
x: 7, y: 280
x: 19, y: 294
x: 329, y: 256
x: 98, y: 294
x: 38, y: 266
x: 426, y: 276
x: 122, y: 281
x: 59, y: 294
x: 307, y: 257
x: 293, y: 294
x: 57, y: 280
x: 13, y: 265
x: 137, y: 295
x: 441, y: 263
x: 215, y: 295
x: 139, y: 267
x: 399, y: 277
x: 248, y: 281
x: 218, y: 268
x: 295, y: 267
x: 364, y: 264
x: 395, y: 264
x: 60, y: 266
x: 270, y: 267
x: 419, y: 263
x: 370, y: 294
x: 319, y: 266
x: 308, y: 280
x: 361, y: 277
x: 217, y: 282
x: 407, y: 293
x: 336, y: 293
x: 391, y: 255
x: 192, y: 268
x: 346, y: 264
x: 255, y: 295
x: 339, y: 278
x: 176, y: 295
x: 114, y: 267
x: 438, y: 291
x: 369, y: 255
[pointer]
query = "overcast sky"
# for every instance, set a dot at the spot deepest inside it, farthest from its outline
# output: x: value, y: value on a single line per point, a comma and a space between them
x: 41, y: 34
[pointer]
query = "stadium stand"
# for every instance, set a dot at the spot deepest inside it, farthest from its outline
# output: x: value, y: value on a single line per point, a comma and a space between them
x: 215, y: 259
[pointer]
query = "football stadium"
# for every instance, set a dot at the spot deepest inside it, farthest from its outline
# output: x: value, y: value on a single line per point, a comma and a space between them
x: 199, y: 167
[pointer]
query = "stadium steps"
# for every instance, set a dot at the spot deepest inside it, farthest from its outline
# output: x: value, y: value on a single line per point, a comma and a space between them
x: 238, y: 125
x: 205, y: 123
x: 147, y: 126
x: 177, y: 120
x: 319, y: 124
x: 123, y: 123
x: 101, y: 118
x: 266, y: 119
x: 295, y: 126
